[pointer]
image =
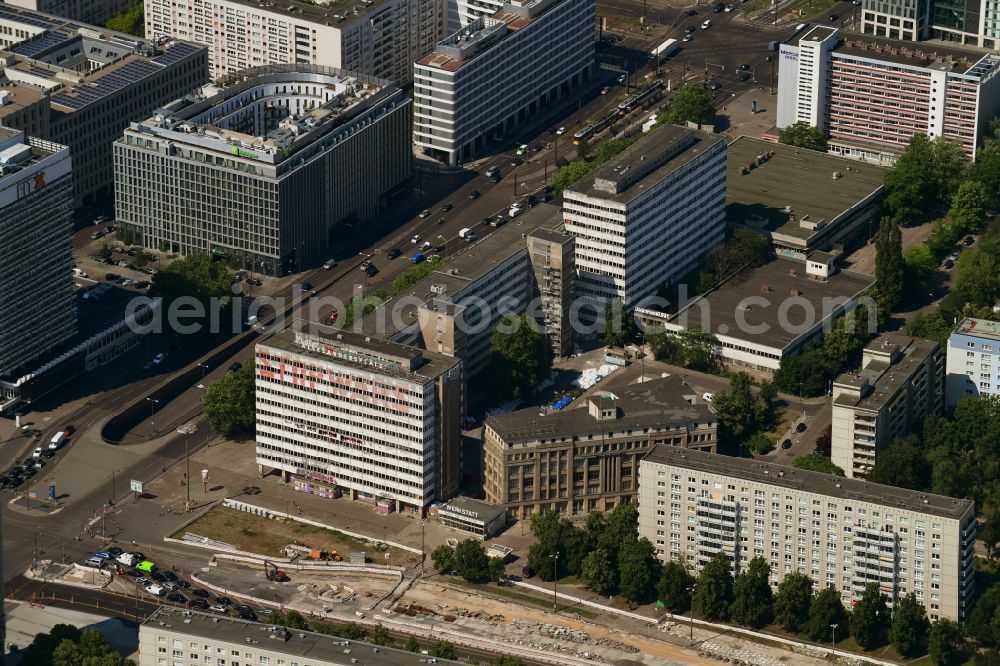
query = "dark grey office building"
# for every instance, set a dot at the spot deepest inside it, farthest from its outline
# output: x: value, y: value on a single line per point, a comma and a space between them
x: 270, y: 168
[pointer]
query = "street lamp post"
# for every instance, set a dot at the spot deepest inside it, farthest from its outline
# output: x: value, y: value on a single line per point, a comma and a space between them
x: 152, y: 411
x: 186, y: 430
x: 555, y: 574
x: 833, y: 638
x: 204, y: 369
x: 691, y: 619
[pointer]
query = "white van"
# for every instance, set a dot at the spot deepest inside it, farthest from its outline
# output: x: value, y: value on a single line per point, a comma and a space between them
x: 78, y: 272
x: 57, y: 440
x: 156, y: 589
x: 95, y: 562
x: 128, y: 559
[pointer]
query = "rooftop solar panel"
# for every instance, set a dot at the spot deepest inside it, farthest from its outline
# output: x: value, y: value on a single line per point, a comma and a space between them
x: 41, y: 43
x: 175, y: 53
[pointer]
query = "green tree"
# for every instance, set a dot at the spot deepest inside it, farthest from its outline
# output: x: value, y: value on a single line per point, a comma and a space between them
x: 89, y: 650
x: 380, y: 636
x: 909, y: 626
x: 824, y: 610
x: 749, y: 247
x: 977, y: 280
x: 43, y: 646
x: 663, y: 346
x: 989, y: 533
x: 803, y: 135
x: 520, y: 359
x: 751, y: 605
x: 742, y: 412
x: 471, y: 561
x: 674, y: 587
x: 291, y: 619
x: 970, y: 206
x: 713, y: 593
x: 690, y: 104
x: 443, y: 650
x: 230, y: 403
x: 981, y: 623
x: 944, y: 234
x: 415, y: 274
x: 920, y: 267
x: 924, y: 178
x: 791, y: 603
x: 496, y: 570
x: 638, y: 569
x: 889, y: 266
x: 619, y: 325
x: 698, y: 348
x: 869, y: 617
x: 569, y: 174
x: 817, y: 462
x: 443, y: 558
x: 131, y: 21
x: 902, y: 464
x: 944, y: 642
x: 196, y: 276
x: 597, y: 570
x: 350, y: 630
x: 931, y: 325
x: 411, y: 644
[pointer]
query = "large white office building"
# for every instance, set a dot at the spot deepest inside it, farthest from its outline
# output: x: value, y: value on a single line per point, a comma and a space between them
x: 340, y: 413
x: 901, y: 381
x: 498, y: 72
x: 376, y: 37
x: 973, y: 364
x: 872, y: 94
x: 647, y: 216
x: 271, y: 168
x: 844, y: 533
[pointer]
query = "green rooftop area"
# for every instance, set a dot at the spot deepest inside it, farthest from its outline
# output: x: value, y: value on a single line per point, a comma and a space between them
x: 793, y: 192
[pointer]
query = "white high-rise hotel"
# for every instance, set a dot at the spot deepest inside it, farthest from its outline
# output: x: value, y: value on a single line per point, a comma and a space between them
x: 647, y: 216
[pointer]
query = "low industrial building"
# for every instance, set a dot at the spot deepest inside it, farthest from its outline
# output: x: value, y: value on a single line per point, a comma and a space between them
x: 454, y: 310
x: 586, y: 458
x: 763, y: 314
x: 342, y: 413
x: 844, y: 533
x: 901, y: 380
x: 80, y: 85
x: 472, y: 516
x: 311, y: 154
x: 648, y: 216
x: 500, y: 71
x: 191, y: 638
x: 973, y: 363
x: 802, y: 200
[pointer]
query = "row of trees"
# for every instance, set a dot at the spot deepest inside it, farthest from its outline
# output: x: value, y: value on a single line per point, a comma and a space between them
x: 571, y: 172
x: 747, y: 599
x: 131, y: 21
x: 803, y: 135
x: 694, y: 348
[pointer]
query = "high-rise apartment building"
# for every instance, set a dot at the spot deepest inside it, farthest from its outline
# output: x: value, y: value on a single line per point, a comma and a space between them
x: 844, y: 533
x: 270, y: 168
x: 973, y: 363
x: 901, y: 381
x: 870, y: 95
x: 498, y: 72
x: 342, y: 413
x: 647, y: 216
x: 379, y: 38
x: 37, y: 307
x: 586, y: 458
x: 80, y: 86
x: 94, y: 12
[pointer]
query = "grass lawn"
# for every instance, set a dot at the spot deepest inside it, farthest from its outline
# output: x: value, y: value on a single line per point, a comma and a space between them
x: 269, y: 537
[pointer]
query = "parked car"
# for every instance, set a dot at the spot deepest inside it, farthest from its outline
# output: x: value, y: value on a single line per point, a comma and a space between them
x: 800, y: 427
x: 708, y: 396
x: 393, y: 253
x: 224, y: 600
x: 416, y: 239
x: 158, y: 359
x: 96, y: 235
x: 265, y: 611
x: 156, y: 589
x: 198, y: 592
x: 787, y: 444
x: 111, y: 277
x: 177, y: 597
x: 560, y: 131
x: 218, y: 608
x: 371, y: 271
x: 706, y: 24
x: 200, y: 604
x: 969, y: 240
